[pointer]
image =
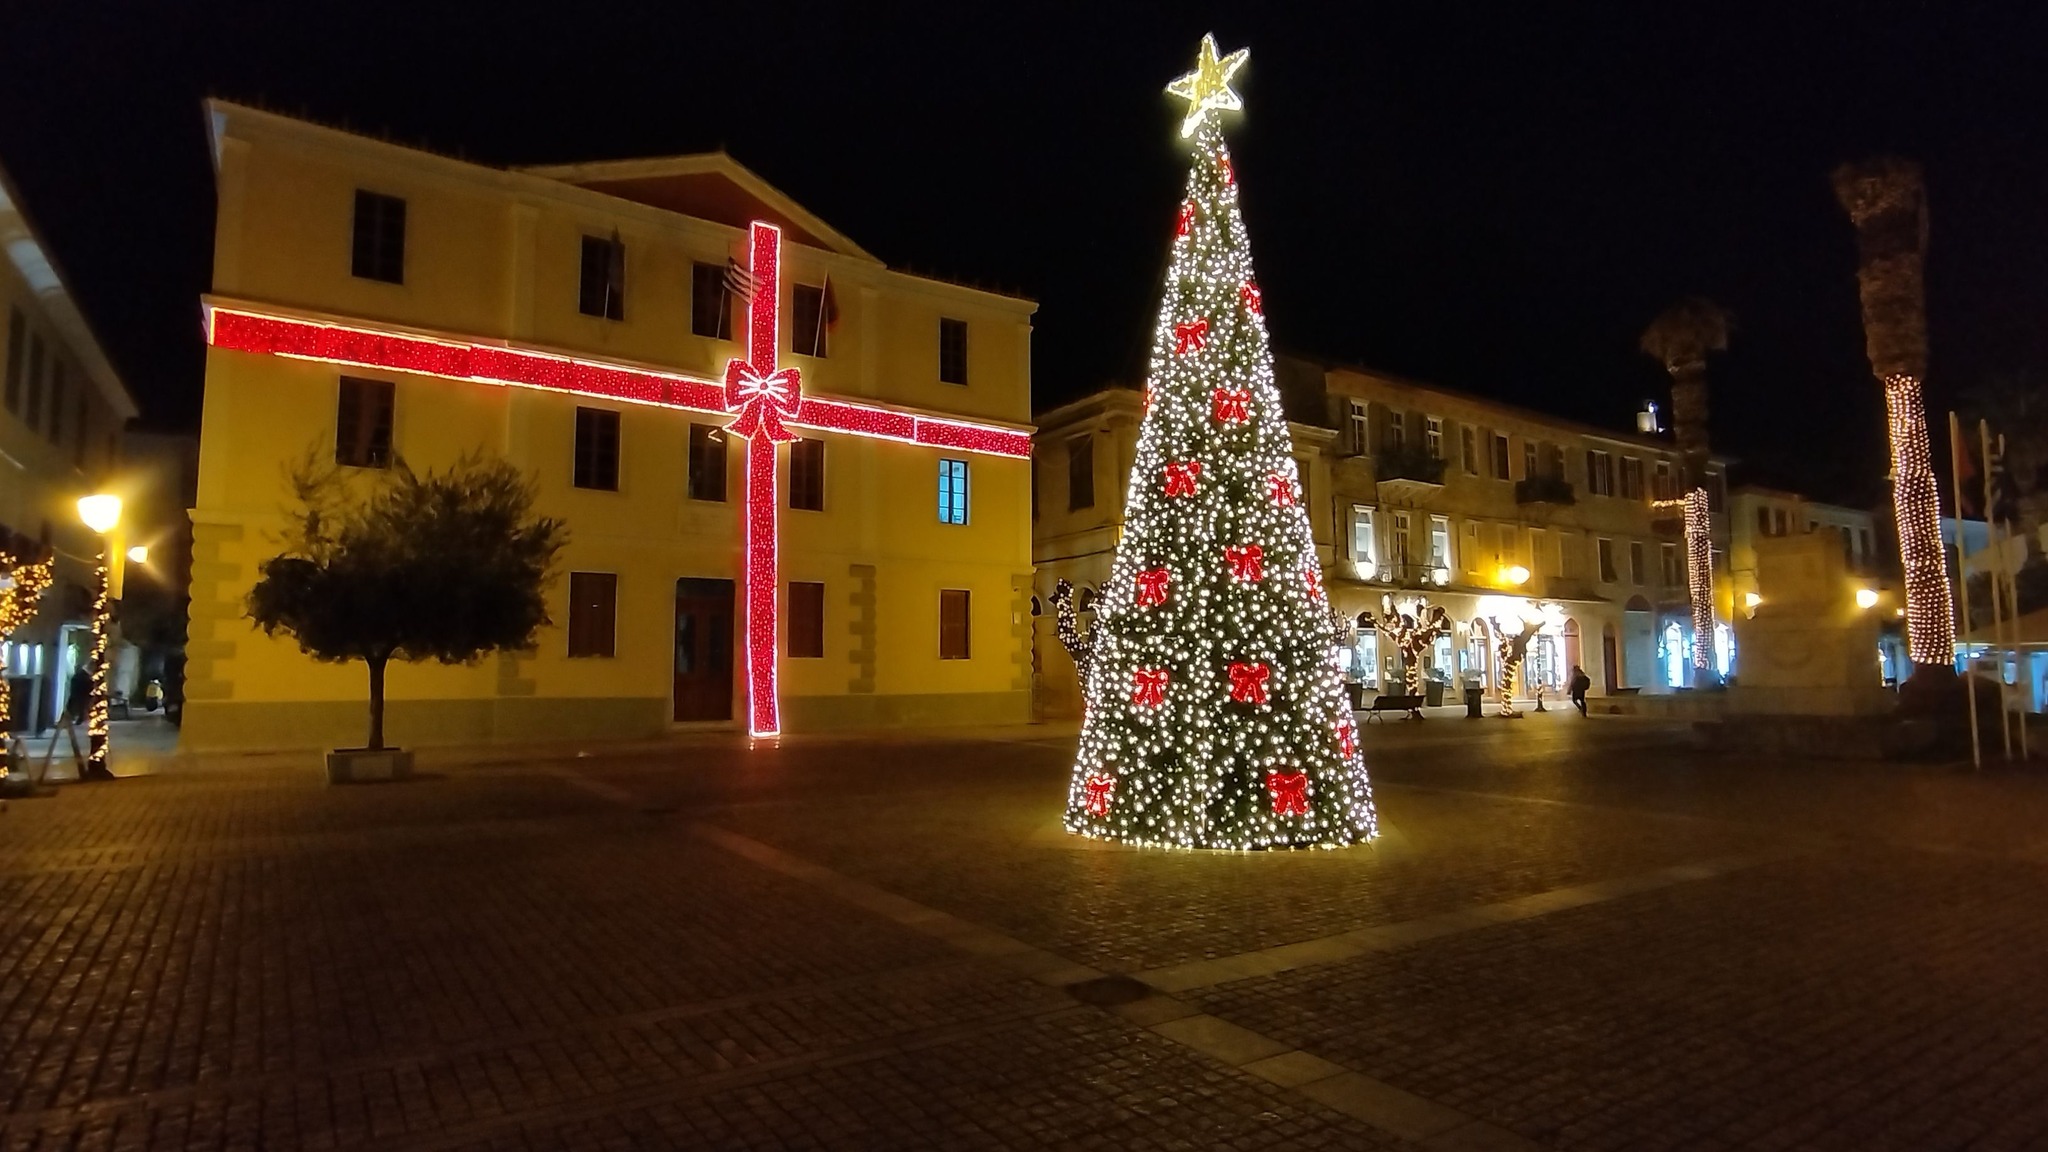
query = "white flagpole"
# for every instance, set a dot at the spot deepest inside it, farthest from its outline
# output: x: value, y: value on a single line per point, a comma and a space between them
x: 1963, y: 584
x: 1997, y: 574
x: 2012, y: 588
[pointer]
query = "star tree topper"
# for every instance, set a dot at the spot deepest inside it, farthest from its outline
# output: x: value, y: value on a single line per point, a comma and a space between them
x: 1208, y: 86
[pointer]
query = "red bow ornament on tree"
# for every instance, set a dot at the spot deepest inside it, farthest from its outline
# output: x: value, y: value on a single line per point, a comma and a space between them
x: 1248, y: 683
x: 1253, y: 301
x: 1290, y: 792
x: 1152, y: 587
x: 1148, y: 687
x: 1347, y: 736
x: 1314, y: 577
x: 1099, y: 788
x: 763, y: 402
x: 1229, y: 405
x: 1281, y: 489
x: 1247, y: 562
x: 1190, y: 337
x: 1181, y: 478
x: 1186, y: 220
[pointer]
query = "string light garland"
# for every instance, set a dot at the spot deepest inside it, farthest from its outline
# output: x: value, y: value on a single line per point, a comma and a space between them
x: 1510, y: 649
x: 1930, y: 630
x: 1080, y: 645
x: 1217, y: 715
x: 1699, y: 580
x: 22, y: 585
x: 1412, y: 629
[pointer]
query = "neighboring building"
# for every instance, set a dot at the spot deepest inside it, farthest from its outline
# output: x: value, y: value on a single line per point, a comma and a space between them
x: 1756, y: 511
x: 370, y: 302
x: 1081, y: 458
x: 61, y: 415
x: 1486, y: 509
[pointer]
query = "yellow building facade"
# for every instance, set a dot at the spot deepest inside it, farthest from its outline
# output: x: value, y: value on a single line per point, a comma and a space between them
x: 605, y: 296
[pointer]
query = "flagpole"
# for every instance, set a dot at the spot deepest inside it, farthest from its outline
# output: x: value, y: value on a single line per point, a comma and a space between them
x: 2012, y: 589
x: 1956, y: 449
x: 1997, y: 573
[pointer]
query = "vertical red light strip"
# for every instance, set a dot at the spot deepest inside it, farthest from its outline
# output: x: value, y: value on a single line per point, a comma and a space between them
x: 764, y: 260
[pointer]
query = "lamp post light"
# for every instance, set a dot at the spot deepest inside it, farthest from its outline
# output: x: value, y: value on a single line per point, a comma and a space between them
x: 101, y: 513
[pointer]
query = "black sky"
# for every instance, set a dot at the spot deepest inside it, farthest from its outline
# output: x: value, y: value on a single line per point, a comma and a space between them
x: 1490, y: 196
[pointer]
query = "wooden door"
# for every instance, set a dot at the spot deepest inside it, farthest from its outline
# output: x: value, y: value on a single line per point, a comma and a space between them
x: 704, y: 649
x: 1610, y: 653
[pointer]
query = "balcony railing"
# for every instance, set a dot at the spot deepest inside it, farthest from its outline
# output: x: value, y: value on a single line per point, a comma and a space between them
x: 1411, y: 464
x: 1544, y: 490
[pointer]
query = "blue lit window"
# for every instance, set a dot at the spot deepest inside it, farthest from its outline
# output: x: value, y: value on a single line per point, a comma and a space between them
x: 952, y: 491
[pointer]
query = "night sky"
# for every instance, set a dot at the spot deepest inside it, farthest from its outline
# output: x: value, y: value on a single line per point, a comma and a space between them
x: 1492, y: 197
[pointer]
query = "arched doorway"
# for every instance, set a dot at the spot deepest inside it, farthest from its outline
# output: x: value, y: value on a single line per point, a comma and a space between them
x: 1672, y: 655
x: 1610, y: 658
x: 1479, y: 644
x: 1573, y: 656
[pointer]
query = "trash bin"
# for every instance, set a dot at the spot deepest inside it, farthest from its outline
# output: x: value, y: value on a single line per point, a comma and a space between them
x: 1433, y: 694
x: 1474, y: 700
x: 1356, y: 691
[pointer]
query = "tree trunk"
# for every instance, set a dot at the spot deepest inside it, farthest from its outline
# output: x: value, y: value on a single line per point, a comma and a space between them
x: 377, y: 703
x: 1689, y: 430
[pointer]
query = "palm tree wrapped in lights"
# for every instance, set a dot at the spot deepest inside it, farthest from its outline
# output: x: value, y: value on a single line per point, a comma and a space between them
x: 1886, y: 200
x: 21, y: 587
x: 1412, y: 632
x: 1680, y: 338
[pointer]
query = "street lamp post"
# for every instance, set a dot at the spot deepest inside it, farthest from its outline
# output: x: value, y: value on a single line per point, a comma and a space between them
x: 102, y: 514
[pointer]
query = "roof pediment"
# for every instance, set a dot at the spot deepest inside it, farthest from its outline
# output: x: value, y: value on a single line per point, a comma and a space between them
x: 708, y: 186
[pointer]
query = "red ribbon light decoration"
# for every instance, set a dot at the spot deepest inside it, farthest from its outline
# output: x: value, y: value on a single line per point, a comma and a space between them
x: 1186, y: 219
x: 1347, y: 736
x: 1281, y: 489
x: 1152, y: 587
x: 1253, y: 301
x: 1099, y: 788
x: 1247, y: 562
x: 764, y: 395
x: 1190, y: 337
x: 1181, y: 478
x: 1314, y: 577
x: 1248, y: 682
x: 1230, y: 405
x: 1229, y: 173
x: 1290, y: 792
x: 1148, y: 687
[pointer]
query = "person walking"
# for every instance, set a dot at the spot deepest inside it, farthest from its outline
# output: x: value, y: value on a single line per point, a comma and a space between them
x: 1580, y: 684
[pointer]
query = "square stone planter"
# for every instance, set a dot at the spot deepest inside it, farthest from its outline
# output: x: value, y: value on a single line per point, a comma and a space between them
x: 363, y: 766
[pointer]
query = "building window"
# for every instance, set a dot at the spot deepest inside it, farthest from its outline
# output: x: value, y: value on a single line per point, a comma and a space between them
x: 1080, y: 473
x: 56, y: 426
x: 954, y: 626
x: 1468, y: 443
x: 953, y: 492
x: 1471, y: 546
x: 34, y: 415
x: 809, y: 315
x: 1674, y: 576
x: 593, y: 613
x: 1364, y: 542
x: 601, y: 291
x: 1537, y: 551
x: 1599, y: 473
x: 1500, y: 456
x: 78, y: 433
x: 1397, y: 544
x: 1636, y: 573
x: 1632, y: 477
x: 17, y: 351
x: 1358, y: 426
x: 1433, y: 437
x: 597, y: 449
x: 1663, y: 487
x: 1439, y: 544
x: 806, y: 619
x: 1396, y: 431
x: 1763, y: 520
x: 807, y: 475
x: 362, y: 422
x: 1557, y: 461
x: 952, y: 351
x: 1528, y: 459
x: 378, y: 251
x: 707, y: 463
x: 710, y: 303
x: 1608, y: 573
x: 1507, y: 544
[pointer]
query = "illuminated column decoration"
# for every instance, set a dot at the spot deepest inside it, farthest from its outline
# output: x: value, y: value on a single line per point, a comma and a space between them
x: 1699, y: 580
x: 764, y: 396
x: 21, y: 588
x: 96, y: 702
x: 1930, y: 630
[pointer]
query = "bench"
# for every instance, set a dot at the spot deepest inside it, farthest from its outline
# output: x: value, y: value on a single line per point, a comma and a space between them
x: 1384, y: 704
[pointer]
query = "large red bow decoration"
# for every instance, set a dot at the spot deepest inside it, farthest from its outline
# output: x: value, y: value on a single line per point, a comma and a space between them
x: 763, y: 402
x: 1247, y: 562
x: 1152, y: 586
x: 1181, y: 478
x: 1148, y: 687
x: 1281, y: 489
x: 1229, y: 405
x: 1347, y: 735
x: 1186, y: 219
x: 1254, y: 302
x: 1314, y: 577
x: 1190, y: 337
x: 1290, y: 792
x: 1098, y: 788
x: 1248, y: 683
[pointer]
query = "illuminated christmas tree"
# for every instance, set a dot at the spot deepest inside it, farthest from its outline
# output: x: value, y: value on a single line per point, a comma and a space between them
x: 1216, y: 715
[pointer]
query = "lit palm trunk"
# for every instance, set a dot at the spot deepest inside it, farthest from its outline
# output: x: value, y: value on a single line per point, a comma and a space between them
x: 1887, y: 202
x: 1680, y: 339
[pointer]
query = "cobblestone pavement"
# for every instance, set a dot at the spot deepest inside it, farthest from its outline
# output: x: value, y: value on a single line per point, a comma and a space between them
x: 1576, y: 934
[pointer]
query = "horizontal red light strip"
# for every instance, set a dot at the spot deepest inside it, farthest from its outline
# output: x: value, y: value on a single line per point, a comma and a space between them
x: 309, y: 340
